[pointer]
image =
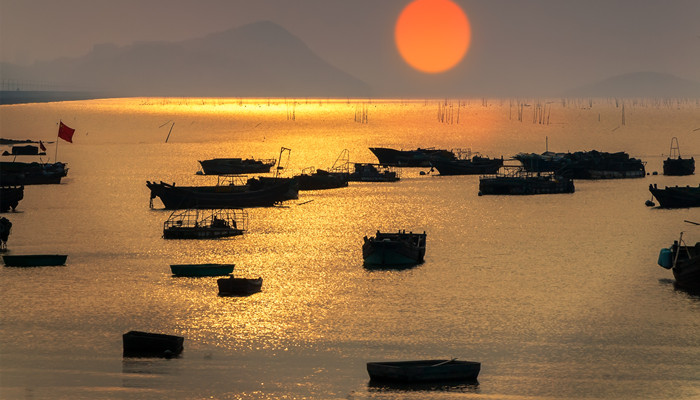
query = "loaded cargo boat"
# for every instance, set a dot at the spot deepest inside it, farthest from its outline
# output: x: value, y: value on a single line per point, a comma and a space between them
x: 467, y: 163
x: 584, y: 164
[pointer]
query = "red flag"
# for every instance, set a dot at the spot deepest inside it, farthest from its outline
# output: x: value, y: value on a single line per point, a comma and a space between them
x: 41, y: 146
x: 65, y: 133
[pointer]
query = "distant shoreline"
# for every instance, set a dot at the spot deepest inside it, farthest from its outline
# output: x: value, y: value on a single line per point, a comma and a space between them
x: 8, y: 97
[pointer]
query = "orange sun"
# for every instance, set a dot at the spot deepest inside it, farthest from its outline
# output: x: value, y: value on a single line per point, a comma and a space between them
x: 432, y: 35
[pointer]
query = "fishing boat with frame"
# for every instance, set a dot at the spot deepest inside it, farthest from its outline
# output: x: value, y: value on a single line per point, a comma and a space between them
x: 518, y: 181
x: 198, y: 223
x: 675, y: 165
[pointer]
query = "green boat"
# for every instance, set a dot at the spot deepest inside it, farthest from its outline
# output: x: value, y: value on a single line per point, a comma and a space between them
x: 34, y: 260
x: 201, y: 269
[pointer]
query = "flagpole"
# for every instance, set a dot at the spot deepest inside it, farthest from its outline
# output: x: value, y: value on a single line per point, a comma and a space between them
x: 55, y: 157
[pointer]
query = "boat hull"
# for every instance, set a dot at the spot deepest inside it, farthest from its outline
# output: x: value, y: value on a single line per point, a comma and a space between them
x: 196, y: 270
x: 205, y: 232
x: 423, y: 371
x: 145, y: 344
x: 677, y: 196
x: 410, y: 158
x: 184, y: 197
x: 238, y: 286
x: 506, y: 185
x: 679, y: 166
x: 34, y: 260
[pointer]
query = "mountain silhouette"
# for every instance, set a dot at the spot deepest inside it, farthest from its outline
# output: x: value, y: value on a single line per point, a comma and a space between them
x: 256, y: 60
x: 639, y: 84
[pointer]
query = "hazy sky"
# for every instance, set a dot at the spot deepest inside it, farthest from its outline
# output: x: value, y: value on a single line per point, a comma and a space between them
x: 517, y: 45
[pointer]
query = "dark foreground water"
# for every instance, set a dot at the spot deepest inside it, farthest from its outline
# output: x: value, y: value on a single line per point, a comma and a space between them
x: 558, y: 296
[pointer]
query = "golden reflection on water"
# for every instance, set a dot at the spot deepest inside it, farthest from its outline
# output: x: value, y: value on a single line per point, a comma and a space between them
x: 513, y: 280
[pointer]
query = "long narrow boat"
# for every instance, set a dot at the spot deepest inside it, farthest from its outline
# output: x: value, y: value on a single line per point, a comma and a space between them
x: 225, y: 166
x: 34, y: 260
x: 423, y: 370
x: 676, y: 196
x: 252, y: 194
x: 146, y: 344
x: 410, y: 158
x: 401, y: 248
x: 201, y: 269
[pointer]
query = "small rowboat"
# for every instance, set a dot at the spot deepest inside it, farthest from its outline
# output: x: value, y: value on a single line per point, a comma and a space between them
x: 201, y: 269
x: 34, y: 260
x: 423, y: 370
x: 239, y: 286
x: 146, y: 344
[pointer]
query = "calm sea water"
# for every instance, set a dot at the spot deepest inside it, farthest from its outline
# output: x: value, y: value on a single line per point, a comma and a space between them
x: 558, y: 296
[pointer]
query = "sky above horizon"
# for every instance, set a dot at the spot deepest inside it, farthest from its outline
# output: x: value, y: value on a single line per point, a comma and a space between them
x: 516, y: 46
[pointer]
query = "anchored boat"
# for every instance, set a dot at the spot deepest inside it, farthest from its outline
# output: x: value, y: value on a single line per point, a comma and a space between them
x: 195, y: 270
x: 232, y: 286
x: 423, y: 370
x: 684, y: 261
x: 400, y: 248
x: 34, y: 260
x: 676, y: 196
x: 205, y: 224
x: 516, y: 181
x: 235, y: 166
x: 675, y: 165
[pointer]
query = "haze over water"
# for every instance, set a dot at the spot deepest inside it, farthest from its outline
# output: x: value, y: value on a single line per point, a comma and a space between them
x: 558, y: 296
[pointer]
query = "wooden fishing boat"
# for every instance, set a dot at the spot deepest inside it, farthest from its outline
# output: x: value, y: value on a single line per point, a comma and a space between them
x: 335, y: 177
x: 34, y: 260
x: 423, y: 370
x: 675, y: 165
x: 365, y: 172
x: 234, y: 166
x: 410, y: 158
x: 676, y: 196
x: 201, y: 269
x: 205, y: 224
x: 516, y: 181
x: 467, y: 163
x: 31, y: 173
x: 684, y: 262
x: 232, y: 286
x: 225, y: 194
x: 398, y: 248
x: 146, y: 344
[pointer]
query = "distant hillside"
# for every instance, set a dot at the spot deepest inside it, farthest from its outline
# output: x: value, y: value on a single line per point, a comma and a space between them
x: 260, y: 59
x: 639, y: 84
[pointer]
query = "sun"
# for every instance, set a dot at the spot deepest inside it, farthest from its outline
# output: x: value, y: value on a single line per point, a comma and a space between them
x: 432, y: 36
